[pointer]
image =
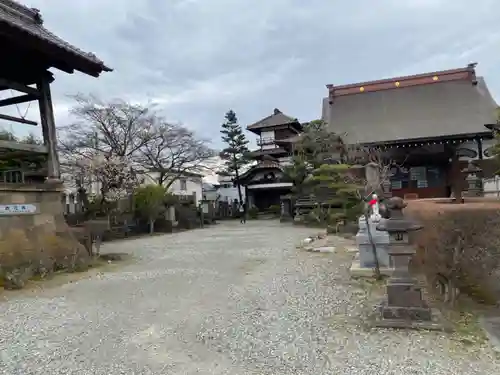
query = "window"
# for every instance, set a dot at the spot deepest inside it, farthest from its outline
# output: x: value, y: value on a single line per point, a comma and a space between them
x: 183, y: 183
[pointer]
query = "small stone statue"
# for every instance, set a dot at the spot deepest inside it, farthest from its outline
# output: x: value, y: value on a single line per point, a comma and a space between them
x: 375, y: 215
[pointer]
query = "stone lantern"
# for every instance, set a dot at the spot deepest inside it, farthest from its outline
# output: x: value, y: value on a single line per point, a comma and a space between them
x: 286, y: 209
x: 474, y: 183
x: 404, y: 307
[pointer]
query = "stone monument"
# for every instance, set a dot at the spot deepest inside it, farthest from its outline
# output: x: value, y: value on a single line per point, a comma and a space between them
x: 404, y: 307
x: 367, y: 238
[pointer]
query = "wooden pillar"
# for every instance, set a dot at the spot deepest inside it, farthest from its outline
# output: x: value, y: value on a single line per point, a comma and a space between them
x: 456, y: 177
x: 479, y: 148
x: 48, y: 127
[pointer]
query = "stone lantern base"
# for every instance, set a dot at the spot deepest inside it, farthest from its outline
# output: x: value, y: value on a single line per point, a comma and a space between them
x: 409, y: 318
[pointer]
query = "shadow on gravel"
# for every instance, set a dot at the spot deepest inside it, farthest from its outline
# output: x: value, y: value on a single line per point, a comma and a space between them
x: 107, y: 262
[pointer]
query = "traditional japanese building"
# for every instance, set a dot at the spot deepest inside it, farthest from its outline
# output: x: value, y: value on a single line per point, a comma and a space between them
x: 30, y: 197
x: 265, y: 182
x: 428, y: 126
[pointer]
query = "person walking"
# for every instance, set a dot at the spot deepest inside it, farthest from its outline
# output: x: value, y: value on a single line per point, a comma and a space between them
x: 242, y: 210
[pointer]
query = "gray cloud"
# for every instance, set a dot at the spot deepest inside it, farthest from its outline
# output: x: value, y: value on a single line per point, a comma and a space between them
x: 198, y: 58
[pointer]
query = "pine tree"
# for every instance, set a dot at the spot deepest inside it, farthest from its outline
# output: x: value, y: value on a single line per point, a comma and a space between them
x: 236, y: 150
x: 336, y: 191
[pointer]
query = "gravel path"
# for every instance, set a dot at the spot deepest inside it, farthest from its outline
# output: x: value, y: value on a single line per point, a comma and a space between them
x: 229, y: 299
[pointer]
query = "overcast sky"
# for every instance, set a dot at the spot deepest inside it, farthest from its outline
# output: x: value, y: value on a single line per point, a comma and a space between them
x: 199, y: 58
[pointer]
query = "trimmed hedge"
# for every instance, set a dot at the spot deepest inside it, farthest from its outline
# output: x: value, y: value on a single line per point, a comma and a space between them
x: 462, y: 243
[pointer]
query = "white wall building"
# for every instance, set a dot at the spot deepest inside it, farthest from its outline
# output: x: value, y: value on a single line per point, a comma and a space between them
x: 188, y: 184
x: 228, y: 192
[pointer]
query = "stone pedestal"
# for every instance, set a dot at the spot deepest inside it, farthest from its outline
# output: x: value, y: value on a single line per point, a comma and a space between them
x: 364, y: 262
x: 381, y: 241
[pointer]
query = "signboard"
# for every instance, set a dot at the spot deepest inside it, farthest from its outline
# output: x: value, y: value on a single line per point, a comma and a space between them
x: 17, y: 209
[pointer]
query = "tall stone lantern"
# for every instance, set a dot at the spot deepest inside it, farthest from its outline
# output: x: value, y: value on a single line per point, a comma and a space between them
x: 473, y: 179
x: 404, y: 306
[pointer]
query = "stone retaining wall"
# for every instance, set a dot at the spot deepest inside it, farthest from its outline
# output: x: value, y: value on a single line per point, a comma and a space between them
x: 36, y: 239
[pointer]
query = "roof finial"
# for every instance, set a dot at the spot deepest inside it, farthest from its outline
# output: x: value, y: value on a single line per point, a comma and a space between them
x: 276, y: 111
x: 37, y: 16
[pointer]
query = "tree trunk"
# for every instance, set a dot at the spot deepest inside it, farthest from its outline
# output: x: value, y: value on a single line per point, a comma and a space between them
x: 236, y: 171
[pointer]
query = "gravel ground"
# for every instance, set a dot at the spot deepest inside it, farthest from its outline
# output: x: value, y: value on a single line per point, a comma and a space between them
x: 229, y: 299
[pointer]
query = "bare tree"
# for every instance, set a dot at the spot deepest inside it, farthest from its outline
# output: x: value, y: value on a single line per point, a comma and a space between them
x: 173, y: 151
x: 376, y: 165
x: 114, y: 128
x: 104, y: 137
x: 112, y: 143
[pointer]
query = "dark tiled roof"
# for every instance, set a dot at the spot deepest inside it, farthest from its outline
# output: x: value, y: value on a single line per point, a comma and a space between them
x: 423, y: 111
x: 277, y: 118
x: 265, y: 164
x: 29, y: 21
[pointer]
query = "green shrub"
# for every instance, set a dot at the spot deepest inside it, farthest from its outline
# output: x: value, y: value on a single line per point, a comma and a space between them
x: 149, y: 202
x: 253, y: 213
x: 275, y: 209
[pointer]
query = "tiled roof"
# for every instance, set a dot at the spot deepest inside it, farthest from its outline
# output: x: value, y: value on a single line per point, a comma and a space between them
x: 277, y: 118
x: 438, y: 109
x: 29, y: 21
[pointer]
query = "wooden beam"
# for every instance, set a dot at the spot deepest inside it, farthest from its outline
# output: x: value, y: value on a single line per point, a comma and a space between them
x: 48, y: 127
x: 17, y: 119
x: 19, y: 87
x: 39, y: 149
x: 17, y: 100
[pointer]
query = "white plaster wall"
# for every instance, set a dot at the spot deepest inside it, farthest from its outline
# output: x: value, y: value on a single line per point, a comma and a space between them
x: 229, y: 194
x: 193, y: 185
x: 491, y: 186
x: 227, y: 191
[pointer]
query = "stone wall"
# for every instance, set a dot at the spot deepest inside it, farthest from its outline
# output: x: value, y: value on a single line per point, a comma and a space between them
x: 39, y: 239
